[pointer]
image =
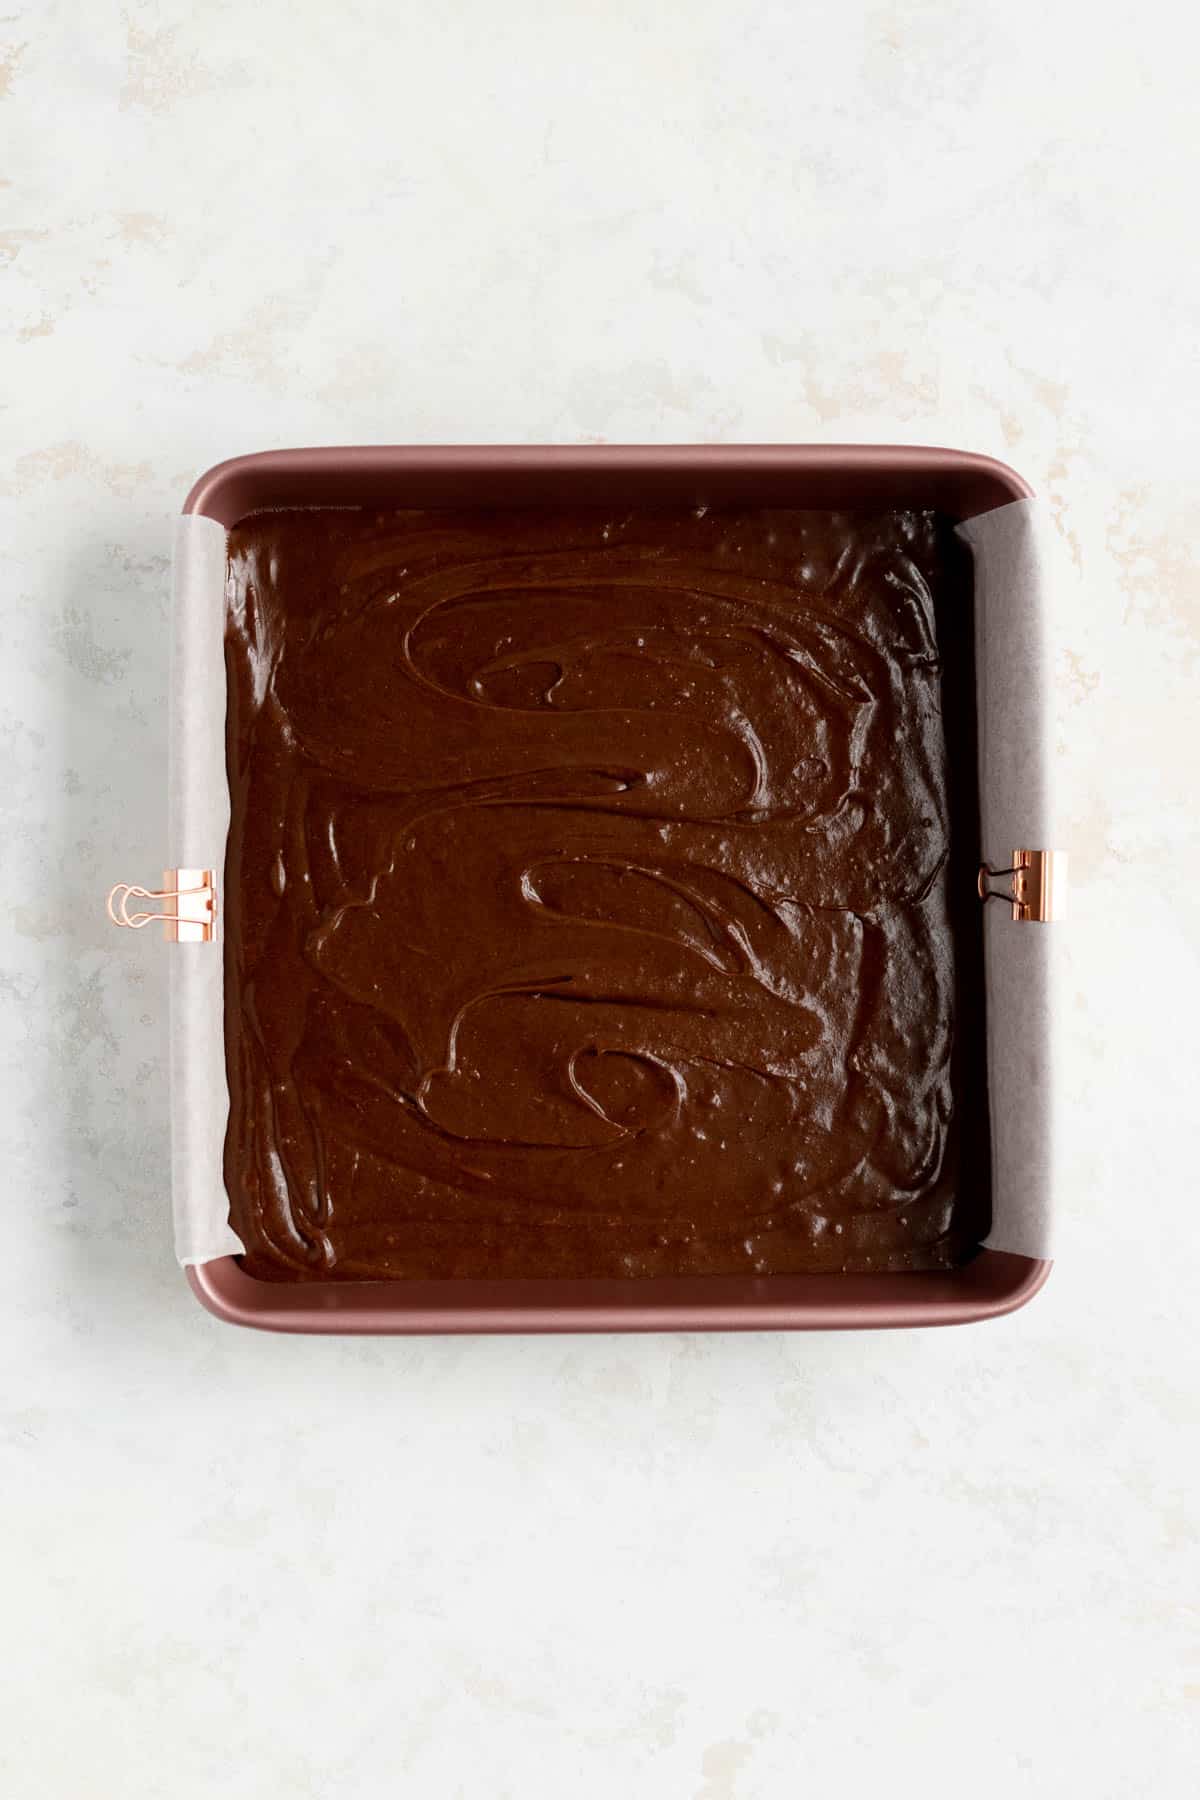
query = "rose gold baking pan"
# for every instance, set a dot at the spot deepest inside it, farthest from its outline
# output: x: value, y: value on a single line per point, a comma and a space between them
x: 995, y: 509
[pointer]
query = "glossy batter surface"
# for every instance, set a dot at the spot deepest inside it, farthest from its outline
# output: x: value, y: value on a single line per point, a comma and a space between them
x: 591, y: 900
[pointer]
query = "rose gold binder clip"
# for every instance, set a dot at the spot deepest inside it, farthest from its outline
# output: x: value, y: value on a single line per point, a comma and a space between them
x: 189, y: 920
x: 1038, y: 886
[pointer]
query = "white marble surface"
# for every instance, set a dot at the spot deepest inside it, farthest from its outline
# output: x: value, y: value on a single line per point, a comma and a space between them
x: 710, y: 1568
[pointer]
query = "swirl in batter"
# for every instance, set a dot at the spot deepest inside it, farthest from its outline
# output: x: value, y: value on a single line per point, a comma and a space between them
x: 590, y: 904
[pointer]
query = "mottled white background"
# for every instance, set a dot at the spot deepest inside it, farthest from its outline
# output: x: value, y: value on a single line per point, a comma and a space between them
x: 914, y: 1564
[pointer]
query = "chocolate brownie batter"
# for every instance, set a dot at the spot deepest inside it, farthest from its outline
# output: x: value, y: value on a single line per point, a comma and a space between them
x: 591, y: 901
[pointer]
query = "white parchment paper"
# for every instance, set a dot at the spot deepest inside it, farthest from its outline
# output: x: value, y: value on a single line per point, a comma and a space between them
x: 198, y: 822
x: 1017, y: 808
x: 1016, y: 803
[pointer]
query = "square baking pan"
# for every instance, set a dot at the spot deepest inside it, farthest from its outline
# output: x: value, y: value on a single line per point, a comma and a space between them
x: 995, y: 513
